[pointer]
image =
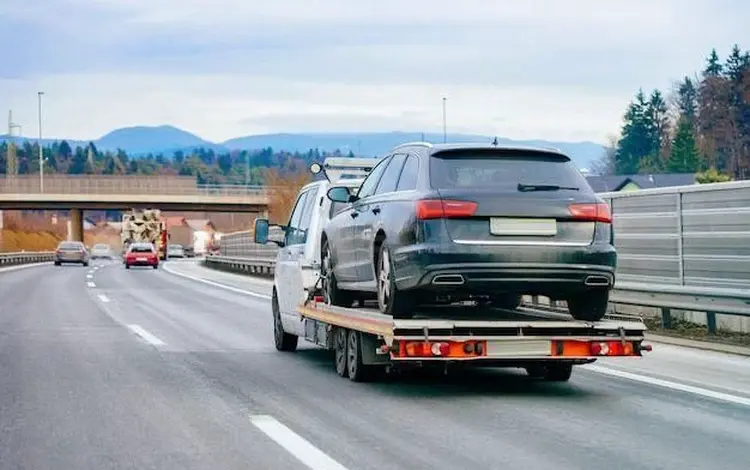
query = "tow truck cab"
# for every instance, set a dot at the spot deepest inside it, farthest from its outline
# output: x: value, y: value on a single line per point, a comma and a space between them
x: 298, y: 261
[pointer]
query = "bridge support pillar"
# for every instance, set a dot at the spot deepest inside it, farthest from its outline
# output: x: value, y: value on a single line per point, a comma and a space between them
x: 76, y: 225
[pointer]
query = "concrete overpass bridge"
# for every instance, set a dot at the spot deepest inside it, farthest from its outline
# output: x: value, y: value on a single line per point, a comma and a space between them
x: 78, y: 193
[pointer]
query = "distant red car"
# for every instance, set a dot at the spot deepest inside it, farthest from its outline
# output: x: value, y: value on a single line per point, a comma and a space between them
x: 141, y: 254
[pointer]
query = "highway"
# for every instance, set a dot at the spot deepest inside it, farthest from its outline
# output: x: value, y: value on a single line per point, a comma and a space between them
x: 103, y: 368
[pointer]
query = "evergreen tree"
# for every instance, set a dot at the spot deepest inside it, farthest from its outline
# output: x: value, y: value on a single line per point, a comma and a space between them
x: 687, y: 100
x: 635, y: 142
x: 713, y: 65
x: 684, y: 156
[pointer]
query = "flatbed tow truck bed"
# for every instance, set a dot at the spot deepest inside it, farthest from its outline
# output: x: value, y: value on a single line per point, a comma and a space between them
x: 545, y: 342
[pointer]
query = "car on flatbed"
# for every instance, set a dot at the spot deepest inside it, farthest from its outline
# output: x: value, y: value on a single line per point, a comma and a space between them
x: 364, y: 339
x: 453, y: 222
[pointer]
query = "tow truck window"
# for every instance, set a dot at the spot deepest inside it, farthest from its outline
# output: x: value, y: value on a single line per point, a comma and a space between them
x: 294, y: 234
x: 371, y: 182
x: 307, y: 212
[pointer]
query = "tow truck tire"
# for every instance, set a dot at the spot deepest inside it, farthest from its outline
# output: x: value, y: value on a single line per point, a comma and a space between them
x: 390, y: 300
x: 589, y: 306
x: 340, y: 352
x: 358, y: 372
x: 331, y: 292
x: 554, y: 372
x: 282, y: 340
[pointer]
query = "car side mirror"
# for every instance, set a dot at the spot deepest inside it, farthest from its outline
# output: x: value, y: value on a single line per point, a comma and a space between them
x: 261, y: 229
x: 340, y: 194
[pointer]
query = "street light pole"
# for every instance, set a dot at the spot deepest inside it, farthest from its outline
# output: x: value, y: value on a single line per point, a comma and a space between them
x: 41, y: 152
x: 445, y: 134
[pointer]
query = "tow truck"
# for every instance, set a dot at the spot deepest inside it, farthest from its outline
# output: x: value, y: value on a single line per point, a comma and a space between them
x: 546, y: 342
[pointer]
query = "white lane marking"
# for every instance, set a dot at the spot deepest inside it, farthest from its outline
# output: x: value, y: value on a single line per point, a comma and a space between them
x: 103, y: 298
x: 137, y: 329
x: 24, y: 266
x: 295, y: 444
x: 91, y: 284
x: 89, y: 276
x: 737, y: 400
x: 216, y: 284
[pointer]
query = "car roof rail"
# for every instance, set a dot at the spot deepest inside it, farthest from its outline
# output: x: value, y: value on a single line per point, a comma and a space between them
x: 413, y: 144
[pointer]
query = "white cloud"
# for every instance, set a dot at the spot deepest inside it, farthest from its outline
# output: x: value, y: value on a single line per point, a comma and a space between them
x: 220, y: 107
x: 223, y: 68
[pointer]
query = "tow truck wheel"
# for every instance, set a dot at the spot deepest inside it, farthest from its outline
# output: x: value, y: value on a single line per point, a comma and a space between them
x: 282, y: 340
x: 340, y: 352
x: 555, y: 372
x: 358, y: 372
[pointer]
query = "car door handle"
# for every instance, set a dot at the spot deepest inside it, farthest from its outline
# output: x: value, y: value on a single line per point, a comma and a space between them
x: 376, y: 210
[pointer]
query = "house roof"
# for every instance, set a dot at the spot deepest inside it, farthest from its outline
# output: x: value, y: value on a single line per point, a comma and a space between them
x: 603, y: 184
x: 174, y: 221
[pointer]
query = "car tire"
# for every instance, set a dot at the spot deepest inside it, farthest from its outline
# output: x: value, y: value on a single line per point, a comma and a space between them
x: 127, y: 266
x: 156, y: 266
x: 57, y: 263
x: 589, y: 306
x: 332, y: 295
x: 553, y: 372
x: 391, y: 301
x: 282, y: 340
x: 85, y: 264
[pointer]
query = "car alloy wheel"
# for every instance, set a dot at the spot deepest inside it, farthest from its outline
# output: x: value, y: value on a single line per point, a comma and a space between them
x: 384, y: 279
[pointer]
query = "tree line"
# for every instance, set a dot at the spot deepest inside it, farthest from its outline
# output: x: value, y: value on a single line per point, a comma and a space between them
x: 702, y: 126
x: 206, y: 165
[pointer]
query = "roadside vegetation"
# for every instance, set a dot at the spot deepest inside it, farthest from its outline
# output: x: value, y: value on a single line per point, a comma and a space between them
x: 701, y: 126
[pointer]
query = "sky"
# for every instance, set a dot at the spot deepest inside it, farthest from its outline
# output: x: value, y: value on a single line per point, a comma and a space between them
x: 531, y: 69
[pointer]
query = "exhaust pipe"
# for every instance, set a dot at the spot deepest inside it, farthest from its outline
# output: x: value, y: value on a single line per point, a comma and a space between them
x: 448, y: 279
x: 597, y: 281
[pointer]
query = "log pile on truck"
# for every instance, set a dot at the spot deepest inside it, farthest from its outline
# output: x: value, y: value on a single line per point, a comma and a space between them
x: 147, y: 226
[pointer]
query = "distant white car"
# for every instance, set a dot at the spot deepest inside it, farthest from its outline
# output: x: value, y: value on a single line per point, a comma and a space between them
x: 101, y: 251
x: 176, y: 251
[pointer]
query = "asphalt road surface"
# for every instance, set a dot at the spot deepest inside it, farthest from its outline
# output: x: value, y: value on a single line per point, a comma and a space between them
x: 175, y: 369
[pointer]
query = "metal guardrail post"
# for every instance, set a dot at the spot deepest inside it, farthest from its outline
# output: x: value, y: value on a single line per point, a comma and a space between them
x: 680, y: 240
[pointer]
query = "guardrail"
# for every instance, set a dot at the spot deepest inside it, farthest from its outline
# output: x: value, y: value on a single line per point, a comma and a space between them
x: 12, y: 259
x: 244, y: 265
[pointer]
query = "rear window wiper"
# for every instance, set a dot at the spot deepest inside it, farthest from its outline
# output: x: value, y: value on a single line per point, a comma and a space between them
x: 544, y: 187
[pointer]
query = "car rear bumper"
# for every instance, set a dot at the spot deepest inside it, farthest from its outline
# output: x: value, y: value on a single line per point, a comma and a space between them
x: 69, y: 259
x: 528, y: 270
x: 142, y: 263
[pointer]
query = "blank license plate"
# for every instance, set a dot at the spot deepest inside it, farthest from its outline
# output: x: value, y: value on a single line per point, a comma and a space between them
x: 519, y: 348
x: 531, y: 227
x: 141, y: 259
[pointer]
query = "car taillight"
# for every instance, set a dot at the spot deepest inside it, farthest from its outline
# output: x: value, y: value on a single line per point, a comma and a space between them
x: 591, y: 212
x: 444, y: 209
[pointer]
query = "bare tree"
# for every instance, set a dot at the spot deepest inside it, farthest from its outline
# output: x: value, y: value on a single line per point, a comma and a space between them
x: 605, y: 165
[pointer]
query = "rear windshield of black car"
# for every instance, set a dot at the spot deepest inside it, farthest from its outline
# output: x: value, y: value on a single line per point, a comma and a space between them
x: 141, y: 249
x: 502, y: 169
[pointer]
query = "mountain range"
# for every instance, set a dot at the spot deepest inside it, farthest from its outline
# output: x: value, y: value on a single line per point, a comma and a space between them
x: 142, y: 140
